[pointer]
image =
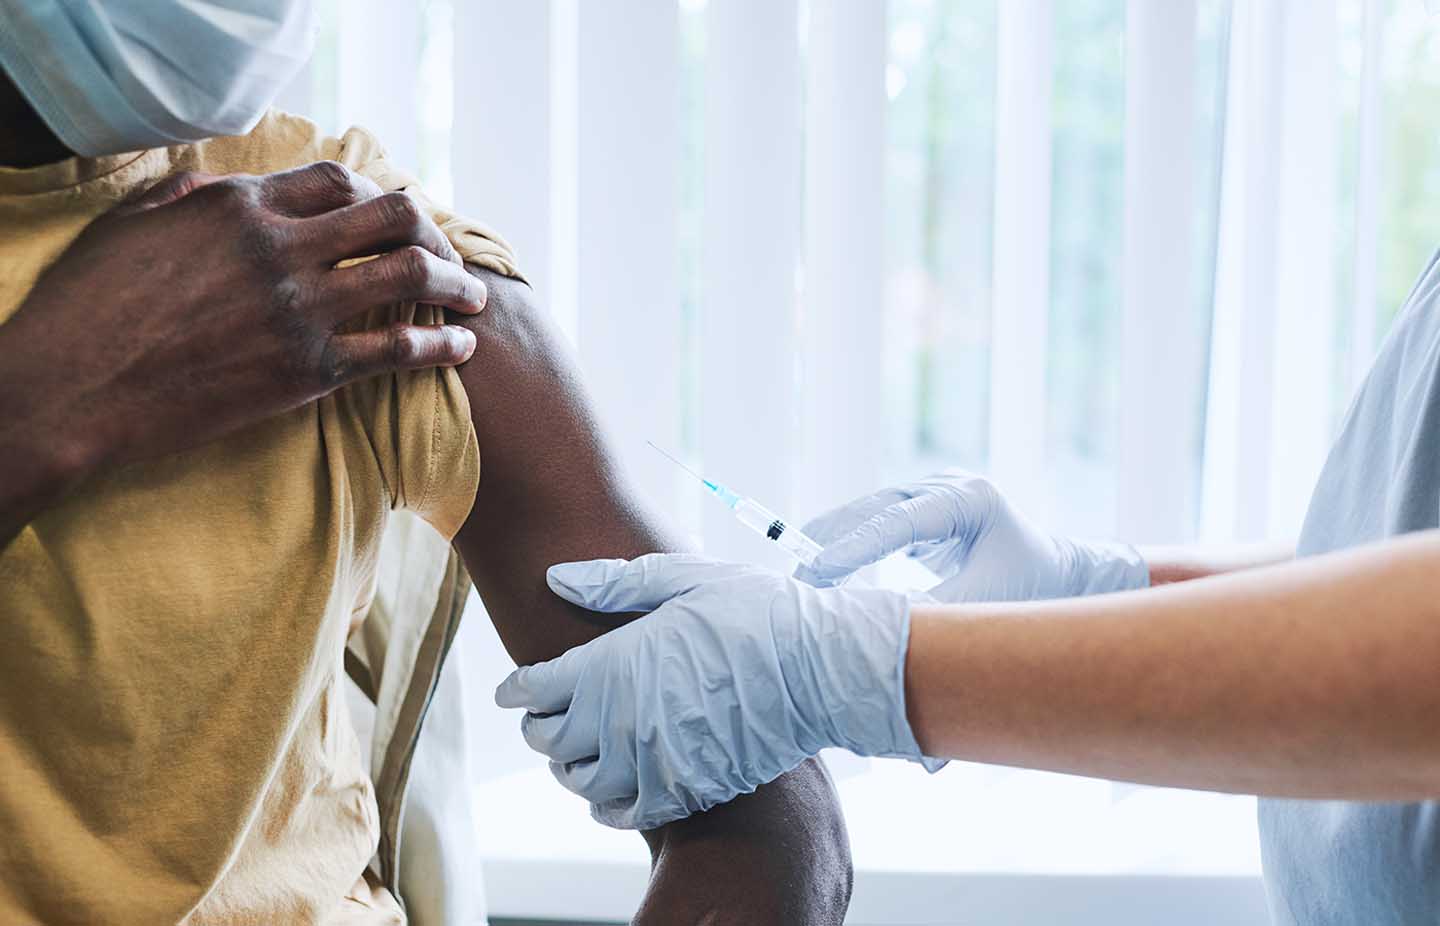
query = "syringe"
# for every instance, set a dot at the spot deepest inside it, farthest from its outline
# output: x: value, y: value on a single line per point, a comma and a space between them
x: 756, y: 516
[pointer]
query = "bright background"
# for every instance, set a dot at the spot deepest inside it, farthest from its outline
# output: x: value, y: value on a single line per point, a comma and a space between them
x: 1131, y: 259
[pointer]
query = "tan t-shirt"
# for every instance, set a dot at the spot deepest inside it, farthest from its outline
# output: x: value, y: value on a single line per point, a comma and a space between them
x: 174, y: 742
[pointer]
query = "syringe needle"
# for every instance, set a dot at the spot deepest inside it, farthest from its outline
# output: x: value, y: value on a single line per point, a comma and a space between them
x: 755, y: 516
x: 672, y: 459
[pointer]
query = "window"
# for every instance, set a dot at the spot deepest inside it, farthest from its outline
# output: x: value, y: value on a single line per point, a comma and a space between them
x: 939, y: 200
x: 1409, y: 223
x: 1108, y: 252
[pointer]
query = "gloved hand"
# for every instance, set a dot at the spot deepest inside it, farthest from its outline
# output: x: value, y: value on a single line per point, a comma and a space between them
x: 738, y: 676
x: 959, y: 526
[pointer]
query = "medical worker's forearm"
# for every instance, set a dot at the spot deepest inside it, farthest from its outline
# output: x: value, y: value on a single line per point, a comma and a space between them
x: 1182, y: 563
x: 1316, y: 678
x: 550, y: 491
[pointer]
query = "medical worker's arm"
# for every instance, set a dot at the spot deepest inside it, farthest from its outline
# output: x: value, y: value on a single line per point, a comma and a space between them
x: 550, y: 491
x: 983, y: 548
x: 1169, y: 564
x: 1315, y: 678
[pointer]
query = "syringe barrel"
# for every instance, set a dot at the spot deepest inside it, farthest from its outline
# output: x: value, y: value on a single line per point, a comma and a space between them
x: 767, y: 524
x: 799, y: 546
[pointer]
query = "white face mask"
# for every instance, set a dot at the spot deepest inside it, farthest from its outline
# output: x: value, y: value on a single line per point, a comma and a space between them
x: 120, y: 75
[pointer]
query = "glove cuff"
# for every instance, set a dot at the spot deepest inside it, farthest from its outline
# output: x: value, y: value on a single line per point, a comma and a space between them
x: 853, y: 681
x: 1098, y: 567
x: 908, y: 741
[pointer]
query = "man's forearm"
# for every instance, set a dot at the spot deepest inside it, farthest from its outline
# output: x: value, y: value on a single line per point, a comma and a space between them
x: 550, y: 491
x: 40, y: 456
x: 28, y: 484
x: 1315, y: 678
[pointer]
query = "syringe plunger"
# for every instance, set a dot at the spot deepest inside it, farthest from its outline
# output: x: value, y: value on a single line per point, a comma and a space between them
x: 765, y: 522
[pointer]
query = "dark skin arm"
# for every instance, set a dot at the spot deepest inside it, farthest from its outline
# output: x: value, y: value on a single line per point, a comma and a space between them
x: 778, y: 856
x: 152, y: 334
x: 551, y: 491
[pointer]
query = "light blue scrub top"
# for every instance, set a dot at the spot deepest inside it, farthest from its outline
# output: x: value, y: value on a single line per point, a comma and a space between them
x: 1329, y: 863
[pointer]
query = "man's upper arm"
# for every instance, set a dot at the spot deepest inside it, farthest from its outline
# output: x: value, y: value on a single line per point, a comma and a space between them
x: 551, y: 491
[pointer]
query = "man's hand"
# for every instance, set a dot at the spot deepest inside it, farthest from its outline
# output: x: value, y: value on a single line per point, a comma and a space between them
x: 209, y: 303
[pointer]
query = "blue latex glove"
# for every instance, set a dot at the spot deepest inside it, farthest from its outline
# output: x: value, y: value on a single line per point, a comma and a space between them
x: 959, y: 526
x: 738, y: 676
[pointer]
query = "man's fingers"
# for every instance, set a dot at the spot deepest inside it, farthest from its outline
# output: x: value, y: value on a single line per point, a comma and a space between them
x: 168, y: 190
x: 410, y: 274
x: 387, y: 222
x: 397, y: 347
x: 546, y: 687
x: 316, y: 189
x: 560, y: 737
x: 642, y: 584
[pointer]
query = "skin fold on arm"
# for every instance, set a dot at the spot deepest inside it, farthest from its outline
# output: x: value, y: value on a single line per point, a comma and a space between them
x: 551, y: 491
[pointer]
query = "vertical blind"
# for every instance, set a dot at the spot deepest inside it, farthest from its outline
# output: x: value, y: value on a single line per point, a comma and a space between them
x: 1129, y: 259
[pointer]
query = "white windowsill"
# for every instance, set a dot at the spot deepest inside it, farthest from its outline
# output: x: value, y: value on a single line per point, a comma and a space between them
x: 970, y: 845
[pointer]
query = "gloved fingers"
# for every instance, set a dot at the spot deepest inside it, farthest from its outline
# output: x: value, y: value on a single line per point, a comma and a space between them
x: 546, y: 687
x: 877, y: 537
x: 641, y: 584
x: 620, y: 814
x: 837, y: 523
x: 561, y: 737
x: 936, y: 517
x: 640, y: 813
x: 927, y: 596
x: 954, y: 477
x: 598, y: 780
x: 928, y: 518
x: 842, y: 519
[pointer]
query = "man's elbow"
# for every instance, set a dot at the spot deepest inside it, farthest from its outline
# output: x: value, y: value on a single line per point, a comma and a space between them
x: 780, y: 855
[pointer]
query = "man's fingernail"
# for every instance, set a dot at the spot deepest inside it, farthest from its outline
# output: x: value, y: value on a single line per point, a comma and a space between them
x: 465, y: 339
